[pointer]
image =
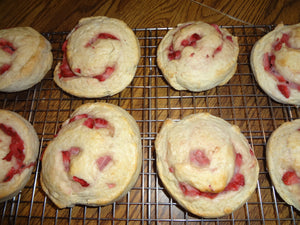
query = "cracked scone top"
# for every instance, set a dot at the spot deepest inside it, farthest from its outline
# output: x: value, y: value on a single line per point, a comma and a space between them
x: 275, y: 63
x: 95, y: 159
x: 100, y: 58
x: 206, y: 164
x: 197, y: 56
x: 19, y: 148
x: 25, y: 58
x: 283, y: 160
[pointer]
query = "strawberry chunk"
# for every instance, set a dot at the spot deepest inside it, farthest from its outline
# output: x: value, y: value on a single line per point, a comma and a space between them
x: 103, y: 161
x: 174, y: 55
x: 189, y: 190
x: 229, y: 38
x: 107, y: 73
x: 65, y: 70
x: 4, y: 68
x: 89, y: 122
x: 236, y: 182
x: 100, y: 36
x: 82, y: 182
x: 199, y: 158
x: 78, y: 117
x: 217, y: 50
x: 290, y: 177
x: 7, y: 46
x: 284, y: 89
x: 100, y: 123
x: 191, y: 41
x: 66, y: 155
x: 12, y: 172
x: 238, y: 160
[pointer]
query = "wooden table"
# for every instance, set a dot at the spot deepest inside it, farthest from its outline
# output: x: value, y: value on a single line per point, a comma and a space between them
x: 151, y: 100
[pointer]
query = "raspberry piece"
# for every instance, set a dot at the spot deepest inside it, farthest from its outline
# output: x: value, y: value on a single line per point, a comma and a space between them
x: 103, y: 161
x: 199, y: 158
x: 4, y: 68
x: 82, y: 182
x: 290, y: 177
x: 7, y: 46
x: 284, y: 89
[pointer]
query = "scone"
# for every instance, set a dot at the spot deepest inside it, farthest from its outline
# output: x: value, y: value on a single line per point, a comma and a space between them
x: 196, y: 56
x: 275, y: 63
x: 100, y: 58
x: 19, y: 147
x: 95, y: 159
x: 206, y: 164
x: 283, y: 160
x: 25, y: 58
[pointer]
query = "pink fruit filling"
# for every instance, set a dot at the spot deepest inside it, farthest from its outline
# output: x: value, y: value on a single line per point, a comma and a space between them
x: 7, y: 46
x: 191, y: 41
x: 67, y: 155
x: 103, y: 161
x: 66, y: 72
x: 82, y: 182
x: 4, y: 68
x: 16, y: 151
x: 237, y: 181
x: 100, y: 36
x: 283, y: 85
x: 199, y: 158
x: 290, y: 177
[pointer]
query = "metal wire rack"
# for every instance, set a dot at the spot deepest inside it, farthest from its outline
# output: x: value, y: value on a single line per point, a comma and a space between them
x: 151, y: 100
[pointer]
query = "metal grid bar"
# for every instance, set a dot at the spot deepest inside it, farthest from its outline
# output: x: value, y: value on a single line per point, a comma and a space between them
x: 151, y: 100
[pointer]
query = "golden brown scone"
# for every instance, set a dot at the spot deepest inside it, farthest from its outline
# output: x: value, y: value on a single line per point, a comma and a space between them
x: 100, y: 58
x: 197, y: 56
x: 19, y: 147
x: 95, y: 159
x: 275, y: 63
x: 25, y: 58
x: 283, y: 160
x: 206, y: 164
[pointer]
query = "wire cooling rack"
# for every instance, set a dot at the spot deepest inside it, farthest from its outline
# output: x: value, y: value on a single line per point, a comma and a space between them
x: 150, y: 100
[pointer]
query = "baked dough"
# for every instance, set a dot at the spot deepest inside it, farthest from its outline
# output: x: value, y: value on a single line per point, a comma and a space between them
x: 206, y: 164
x: 100, y: 58
x: 275, y: 63
x: 283, y: 160
x: 197, y: 56
x: 95, y: 159
x: 25, y: 58
x: 19, y: 147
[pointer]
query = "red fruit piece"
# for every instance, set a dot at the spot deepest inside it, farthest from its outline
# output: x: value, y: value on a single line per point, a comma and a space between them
x: 66, y: 155
x: 100, y: 36
x: 12, y: 172
x: 77, y: 117
x: 290, y: 177
x: 100, y: 123
x: 217, y: 50
x: 189, y: 190
x: 4, y: 68
x: 217, y: 28
x: 284, y: 40
x: 191, y: 41
x: 238, y: 160
x: 199, y: 158
x: 107, y: 73
x: 103, y: 161
x: 82, y: 182
x: 7, y: 46
x: 111, y: 185
x: 65, y: 70
x: 284, y: 89
x: 236, y: 182
x: 89, y: 122
x: 229, y: 38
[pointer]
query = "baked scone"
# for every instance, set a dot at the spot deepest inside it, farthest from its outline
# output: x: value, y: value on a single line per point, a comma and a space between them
x: 95, y: 159
x: 100, y: 58
x: 19, y: 147
x: 25, y: 58
x: 275, y: 63
x: 283, y: 161
x: 206, y: 164
x: 197, y: 56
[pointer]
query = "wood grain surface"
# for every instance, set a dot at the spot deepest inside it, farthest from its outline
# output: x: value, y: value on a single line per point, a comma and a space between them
x: 151, y: 100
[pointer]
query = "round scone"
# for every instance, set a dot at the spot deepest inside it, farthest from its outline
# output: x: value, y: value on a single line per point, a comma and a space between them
x: 25, y: 58
x: 283, y: 160
x: 95, y: 159
x: 206, y: 164
x: 100, y: 58
x: 275, y: 63
x: 19, y: 147
x: 197, y: 56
